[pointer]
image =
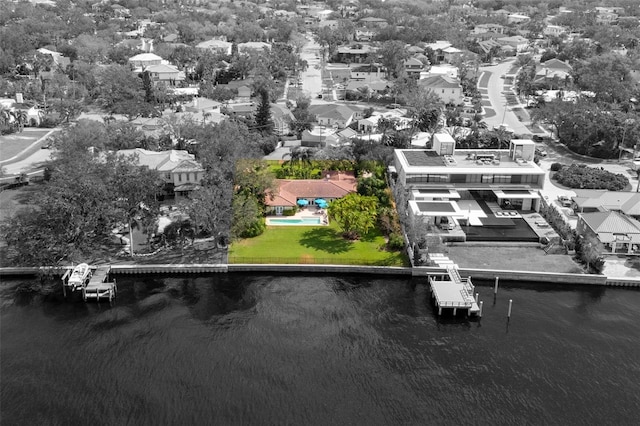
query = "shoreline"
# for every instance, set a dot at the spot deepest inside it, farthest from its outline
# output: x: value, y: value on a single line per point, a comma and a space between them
x: 424, y: 271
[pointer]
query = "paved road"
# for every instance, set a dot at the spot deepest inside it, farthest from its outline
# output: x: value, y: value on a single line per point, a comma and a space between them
x: 498, y: 98
x: 312, y: 77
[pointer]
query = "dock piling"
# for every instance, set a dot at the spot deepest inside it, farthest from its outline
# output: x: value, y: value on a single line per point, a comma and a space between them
x: 480, y: 311
x: 477, y: 296
x: 509, y: 312
x: 495, y: 289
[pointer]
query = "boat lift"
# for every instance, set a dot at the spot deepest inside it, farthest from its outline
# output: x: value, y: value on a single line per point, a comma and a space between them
x: 94, y: 286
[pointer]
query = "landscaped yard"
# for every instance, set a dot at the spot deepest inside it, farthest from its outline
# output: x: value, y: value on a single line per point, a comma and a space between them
x: 315, y: 245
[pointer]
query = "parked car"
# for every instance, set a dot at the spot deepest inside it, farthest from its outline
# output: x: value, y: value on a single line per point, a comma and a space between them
x: 564, y: 201
x: 541, y: 152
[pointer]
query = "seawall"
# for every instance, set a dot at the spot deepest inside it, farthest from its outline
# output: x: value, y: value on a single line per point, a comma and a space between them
x: 423, y: 271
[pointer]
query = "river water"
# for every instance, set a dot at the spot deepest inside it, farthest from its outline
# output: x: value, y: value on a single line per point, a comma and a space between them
x: 233, y: 349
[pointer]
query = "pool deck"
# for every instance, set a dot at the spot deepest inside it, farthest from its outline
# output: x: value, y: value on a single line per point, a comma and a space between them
x: 305, y: 213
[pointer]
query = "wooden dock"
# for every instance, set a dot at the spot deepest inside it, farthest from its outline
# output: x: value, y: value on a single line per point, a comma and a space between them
x: 450, y: 291
x: 98, y: 286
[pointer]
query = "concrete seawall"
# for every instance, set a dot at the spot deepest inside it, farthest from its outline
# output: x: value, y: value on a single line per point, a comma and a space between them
x: 423, y: 271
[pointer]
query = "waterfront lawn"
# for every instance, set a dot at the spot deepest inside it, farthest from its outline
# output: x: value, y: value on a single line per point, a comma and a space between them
x: 313, y: 245
x: 512, y: 258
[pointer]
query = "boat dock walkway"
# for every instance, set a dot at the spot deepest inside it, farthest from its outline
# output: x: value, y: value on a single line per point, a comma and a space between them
x: 450, y: 291
x: 98, y: 286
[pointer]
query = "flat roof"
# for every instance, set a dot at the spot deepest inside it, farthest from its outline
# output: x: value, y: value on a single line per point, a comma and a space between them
x: 440, y: 206
x: 436, y: 208
x: 515, y: 193
x: 422, y: 158
x: 451, y: 295
x: 420, y: 161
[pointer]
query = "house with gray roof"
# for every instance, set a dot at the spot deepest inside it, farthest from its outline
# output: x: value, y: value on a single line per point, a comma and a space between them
x: 618, y: 233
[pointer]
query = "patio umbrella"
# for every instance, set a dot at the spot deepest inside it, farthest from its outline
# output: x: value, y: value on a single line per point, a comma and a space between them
x: 302, y: 202
x: 321, y: 202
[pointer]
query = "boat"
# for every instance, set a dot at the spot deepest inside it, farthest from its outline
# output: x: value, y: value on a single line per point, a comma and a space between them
x: 79, y: 277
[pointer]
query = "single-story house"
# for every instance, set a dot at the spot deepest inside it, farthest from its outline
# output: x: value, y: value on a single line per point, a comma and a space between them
x: 589, y: 201
x: 334, y: 185
x: 618, y: 233
x: 215, y: 45
x: 318, y: 140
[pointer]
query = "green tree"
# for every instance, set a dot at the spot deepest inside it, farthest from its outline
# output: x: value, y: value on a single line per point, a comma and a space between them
x: 355, y: 214
x: 264, y: 123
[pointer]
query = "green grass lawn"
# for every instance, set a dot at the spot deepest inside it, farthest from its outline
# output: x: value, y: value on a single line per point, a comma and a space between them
x: 14, y: 143
x: 315, y: 245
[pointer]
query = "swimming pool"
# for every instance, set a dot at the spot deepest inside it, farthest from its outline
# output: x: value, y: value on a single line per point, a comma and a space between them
x: 296, y: 221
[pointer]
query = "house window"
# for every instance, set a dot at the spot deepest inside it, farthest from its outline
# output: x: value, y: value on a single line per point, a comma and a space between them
x: 188, y: 175
x: 167, y: 176
x: 442, y: 90
x: 179, y: 177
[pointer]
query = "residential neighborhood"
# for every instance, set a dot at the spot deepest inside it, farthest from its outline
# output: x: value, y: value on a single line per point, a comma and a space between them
x: 319, y: 212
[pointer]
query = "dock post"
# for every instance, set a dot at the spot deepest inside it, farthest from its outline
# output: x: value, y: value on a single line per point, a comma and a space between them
x: 439, y: 311
x: 509, y: 312
x: 495, y: 289
x: 477, y: 296
x: 480, y: 312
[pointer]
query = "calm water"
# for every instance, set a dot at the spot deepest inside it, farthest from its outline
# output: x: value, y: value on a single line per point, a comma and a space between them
x: 272, y: 350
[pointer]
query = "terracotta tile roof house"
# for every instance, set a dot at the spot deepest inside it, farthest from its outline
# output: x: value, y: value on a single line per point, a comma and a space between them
x: 339, y: 116
x: 601, y: 201
x: 337, y: 185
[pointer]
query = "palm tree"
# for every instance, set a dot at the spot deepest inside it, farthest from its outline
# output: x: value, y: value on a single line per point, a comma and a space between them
x: 21, y: 117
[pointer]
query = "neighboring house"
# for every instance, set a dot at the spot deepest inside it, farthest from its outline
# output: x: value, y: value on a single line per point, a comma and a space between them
x: 554, y: 72
x: 178, y: 169
x: 619, y: 234
x: 517, y: 18
x: 329, y: 23
x: 335, y: 116
x: 449, y: 90
x: 437, y: 48
x: 252, y: 46
x: 553, y: 30
x: 246, y: 110
x: 244, y: 94
x: 14, y: 106
x: 413, y: 67
x: 364, y: 35
x: 208, y: 109
x: 333, y: 186
x: 600, y: 201
x: 144, y: 60
x: 357, y: 53
x: 165, y: 73
x: 488, y: 28
x: 373, y: 23
x: 518, y: 43
x: 322, y: 139
x: 451, y: 54
x: 282, y: 117
x: 215, y: 45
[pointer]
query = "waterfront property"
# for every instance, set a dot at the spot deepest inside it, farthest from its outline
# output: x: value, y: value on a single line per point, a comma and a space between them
x: 450, y: 291
x: 482, y: 195
x: 313, y: 245
x: 292, y: 193
x: 618, y: 233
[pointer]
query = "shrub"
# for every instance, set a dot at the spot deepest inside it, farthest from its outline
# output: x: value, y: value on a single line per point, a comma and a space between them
x: 583, y: 177
x: 289, y: 212
x: 255, y: 229
x: 396, y: 242
x: 555, y: 167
